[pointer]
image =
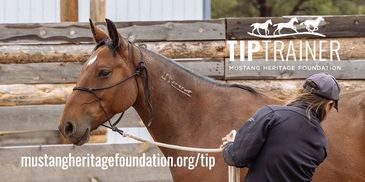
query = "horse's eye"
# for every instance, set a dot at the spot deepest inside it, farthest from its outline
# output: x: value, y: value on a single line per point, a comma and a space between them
x: 103, y: 73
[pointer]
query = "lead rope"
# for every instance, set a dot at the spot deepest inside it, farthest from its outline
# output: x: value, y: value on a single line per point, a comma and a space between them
x: 233, y: 172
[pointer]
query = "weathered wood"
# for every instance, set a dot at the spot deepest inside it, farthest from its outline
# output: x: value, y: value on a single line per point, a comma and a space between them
x: 97, y: 10
x: 261, y: 69
x: 12, y: 171
x: 237, y: 28
x: 29, y: 137
x: 333, y: 26
x: 11, y: 95
x: 35, y: 94
x: 69, y: 10
x: 351, y: 48
x: 44, y: 137
x: 136, y: 31
x: 76, y: 53
x: 286, y: 89
x: 208, y: 67
x: 40, y: 73
x: 46, y: 117
x: 63, y: 72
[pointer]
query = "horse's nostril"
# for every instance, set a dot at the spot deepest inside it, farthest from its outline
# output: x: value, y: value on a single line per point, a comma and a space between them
x: 69, y: 128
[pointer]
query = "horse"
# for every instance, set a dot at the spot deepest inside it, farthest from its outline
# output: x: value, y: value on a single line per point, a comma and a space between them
x: 312, y: 23
x: 176, y: 105
x: 258, y: 26
x: 345, y: 131
x: 290, y: 25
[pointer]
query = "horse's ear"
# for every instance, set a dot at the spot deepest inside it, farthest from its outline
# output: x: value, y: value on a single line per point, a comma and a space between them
x: 113, y: 33
x: 98, y: 33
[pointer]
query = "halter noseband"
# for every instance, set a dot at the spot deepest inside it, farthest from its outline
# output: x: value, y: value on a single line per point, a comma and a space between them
x: 138, y: 72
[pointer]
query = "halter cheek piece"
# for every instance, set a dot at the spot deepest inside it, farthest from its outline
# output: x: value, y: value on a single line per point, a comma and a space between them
x: 140, y: 69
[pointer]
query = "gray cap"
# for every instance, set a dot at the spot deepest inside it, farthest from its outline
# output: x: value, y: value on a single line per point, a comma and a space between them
x: 325, y: 85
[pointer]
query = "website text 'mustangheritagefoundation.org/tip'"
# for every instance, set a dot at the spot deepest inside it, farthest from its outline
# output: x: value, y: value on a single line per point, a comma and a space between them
x: 118, y: 160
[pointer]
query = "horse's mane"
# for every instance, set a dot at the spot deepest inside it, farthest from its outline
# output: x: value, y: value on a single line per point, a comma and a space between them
x: 205, y: 78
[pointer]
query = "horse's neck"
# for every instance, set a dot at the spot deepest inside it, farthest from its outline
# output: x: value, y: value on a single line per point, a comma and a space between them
x: 176, y: 97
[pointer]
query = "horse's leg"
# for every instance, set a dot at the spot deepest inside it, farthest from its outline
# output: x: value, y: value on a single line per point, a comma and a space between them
x: 308, y: 28
x: 253, y: 30
x: 267, y: 32
x: 312, y: 30
x: 258, y: 30
x: 295, y: 29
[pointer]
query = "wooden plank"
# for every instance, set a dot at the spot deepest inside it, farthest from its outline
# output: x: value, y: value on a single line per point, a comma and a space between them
x: 11, y: 95
x: 97, y: 10
x: 261, y: 69
x: 332, y: 27
x: 29, y: 138
x: 40, y: 73
x: 208, y: 67
x: 76, y: 53
x: 12, y: 171
x: 136, y: 31
x: 63, y: 72
x: 69, y: 10
x: 46, y: 117
x: 41, y: 137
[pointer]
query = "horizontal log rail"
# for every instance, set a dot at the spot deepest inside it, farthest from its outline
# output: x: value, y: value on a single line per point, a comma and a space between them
x: 219, y: 29
x: 351, y: 48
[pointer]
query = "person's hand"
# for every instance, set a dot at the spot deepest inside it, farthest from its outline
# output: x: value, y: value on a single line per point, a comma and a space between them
x: 229, y: 138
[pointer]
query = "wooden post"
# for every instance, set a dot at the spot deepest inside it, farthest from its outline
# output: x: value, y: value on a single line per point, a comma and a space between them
x: 69, y: 10
x: 97, y: 10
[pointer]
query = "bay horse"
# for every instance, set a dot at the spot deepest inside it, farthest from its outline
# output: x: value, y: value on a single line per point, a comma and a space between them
x: 176, y: 105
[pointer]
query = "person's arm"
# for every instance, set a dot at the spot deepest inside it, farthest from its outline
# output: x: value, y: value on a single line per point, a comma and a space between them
x: 249, y: 139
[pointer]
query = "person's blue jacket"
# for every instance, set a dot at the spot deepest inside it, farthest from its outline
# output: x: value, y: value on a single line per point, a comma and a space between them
x: 279, y: 143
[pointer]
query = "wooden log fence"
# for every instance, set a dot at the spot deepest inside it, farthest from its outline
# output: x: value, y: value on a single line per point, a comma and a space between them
x: 40, y: 63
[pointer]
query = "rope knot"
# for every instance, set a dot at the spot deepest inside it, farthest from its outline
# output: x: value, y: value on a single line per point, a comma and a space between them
x: 114, y: 128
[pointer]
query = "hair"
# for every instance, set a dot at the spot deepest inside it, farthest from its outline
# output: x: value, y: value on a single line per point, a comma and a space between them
x: 315, y: 103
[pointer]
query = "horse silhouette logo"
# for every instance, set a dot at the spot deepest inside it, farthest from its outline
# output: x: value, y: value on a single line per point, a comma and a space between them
x: 258, y: 26
x: 311, y: 25
x: 289, y: 25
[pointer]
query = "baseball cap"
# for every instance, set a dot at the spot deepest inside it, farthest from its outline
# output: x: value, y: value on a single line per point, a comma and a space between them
x: 325, y: 86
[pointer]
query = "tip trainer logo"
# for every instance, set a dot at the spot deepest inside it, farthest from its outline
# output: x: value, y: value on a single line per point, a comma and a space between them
x: 311, y: 25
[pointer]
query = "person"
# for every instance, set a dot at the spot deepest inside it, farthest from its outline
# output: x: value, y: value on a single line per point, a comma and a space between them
x: 285, y: 143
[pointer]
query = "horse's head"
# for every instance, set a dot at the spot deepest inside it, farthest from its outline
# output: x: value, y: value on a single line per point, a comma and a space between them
x: 295, y: 19
x: 320, y: 18
x: 99, y: 93
x: 269, y: 22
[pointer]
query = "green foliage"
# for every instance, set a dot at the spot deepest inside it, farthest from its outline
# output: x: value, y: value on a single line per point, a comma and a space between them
x: 251, y: 8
